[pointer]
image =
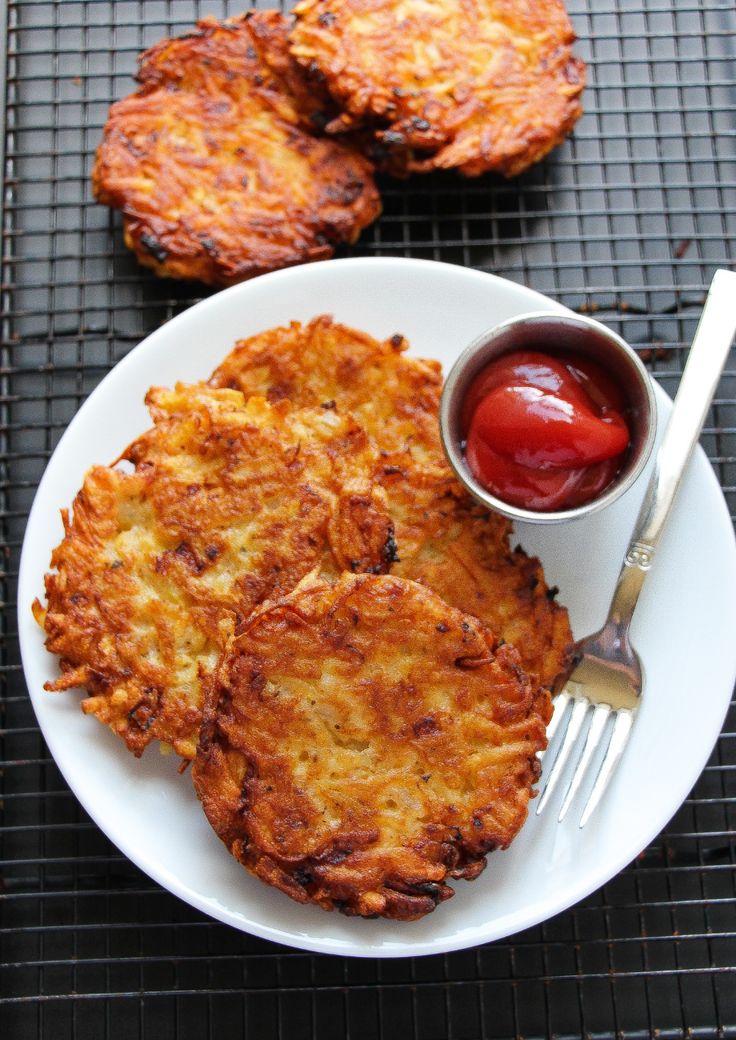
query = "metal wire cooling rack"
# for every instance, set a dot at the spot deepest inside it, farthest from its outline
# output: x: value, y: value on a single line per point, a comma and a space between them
x: 628, y: 219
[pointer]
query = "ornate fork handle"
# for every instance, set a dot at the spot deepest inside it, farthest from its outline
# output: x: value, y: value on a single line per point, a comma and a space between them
x: 705, y: 363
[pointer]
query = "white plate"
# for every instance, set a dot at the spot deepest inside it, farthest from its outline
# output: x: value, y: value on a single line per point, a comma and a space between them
x: 684, y: 630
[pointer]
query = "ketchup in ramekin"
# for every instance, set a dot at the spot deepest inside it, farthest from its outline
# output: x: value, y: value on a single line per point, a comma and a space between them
x: 544, y: 432
x: 551, y: 409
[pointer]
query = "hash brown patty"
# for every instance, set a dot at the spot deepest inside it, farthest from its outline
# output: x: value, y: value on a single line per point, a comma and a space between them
x: 463, y: 552
x: 363, y: 743
x: 443, y: 539
x: 475, y: 85
x: 395, y: 398
x: 229, y: 502
x: 214, y: 162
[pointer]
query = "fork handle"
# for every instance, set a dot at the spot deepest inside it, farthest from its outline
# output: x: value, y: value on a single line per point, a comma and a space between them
x: 707, y: 358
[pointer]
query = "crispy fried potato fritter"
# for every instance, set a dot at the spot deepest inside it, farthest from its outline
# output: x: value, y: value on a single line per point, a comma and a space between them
x: 214, y: 162
x: 475, y: 85
x: 229, y: 502
x: 462, y: 552
x: 363, y: 743
x: 442, y: 538
x: 395, y: 398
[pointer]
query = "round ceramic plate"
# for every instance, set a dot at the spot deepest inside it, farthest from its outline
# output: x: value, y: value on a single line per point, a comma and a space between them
x: 683, y: 629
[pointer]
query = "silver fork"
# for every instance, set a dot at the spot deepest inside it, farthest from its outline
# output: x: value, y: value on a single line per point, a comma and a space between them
x: 607, y: 681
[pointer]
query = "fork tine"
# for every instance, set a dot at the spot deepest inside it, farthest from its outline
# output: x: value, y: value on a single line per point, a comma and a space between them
x: 619, y: 738
x: 561, y: 702
x: 592, y: 740
x: 577, y: 715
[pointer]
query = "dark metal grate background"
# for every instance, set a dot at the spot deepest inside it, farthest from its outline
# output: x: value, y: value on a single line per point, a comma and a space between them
x: 629, y: 219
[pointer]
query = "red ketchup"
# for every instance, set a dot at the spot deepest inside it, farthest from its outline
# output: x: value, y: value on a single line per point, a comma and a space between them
x: 545, y: 432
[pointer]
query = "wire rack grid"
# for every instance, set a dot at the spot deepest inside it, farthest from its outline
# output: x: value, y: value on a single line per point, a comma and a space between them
x: 627, y: 220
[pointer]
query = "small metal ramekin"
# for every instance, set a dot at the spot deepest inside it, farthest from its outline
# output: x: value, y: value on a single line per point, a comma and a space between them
x: 552, y: 333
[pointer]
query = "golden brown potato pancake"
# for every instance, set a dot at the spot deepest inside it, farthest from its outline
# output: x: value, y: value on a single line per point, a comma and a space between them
x: 394, y: 397
x: 229, y: 502
x: 214, y: 162
x: 463, y: 553
x: 475, y: 85
x: 443, y: 539
x: 364, y: 742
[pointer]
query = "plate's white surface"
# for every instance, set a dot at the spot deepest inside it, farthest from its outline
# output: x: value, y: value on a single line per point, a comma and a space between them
x: 683, y: 629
